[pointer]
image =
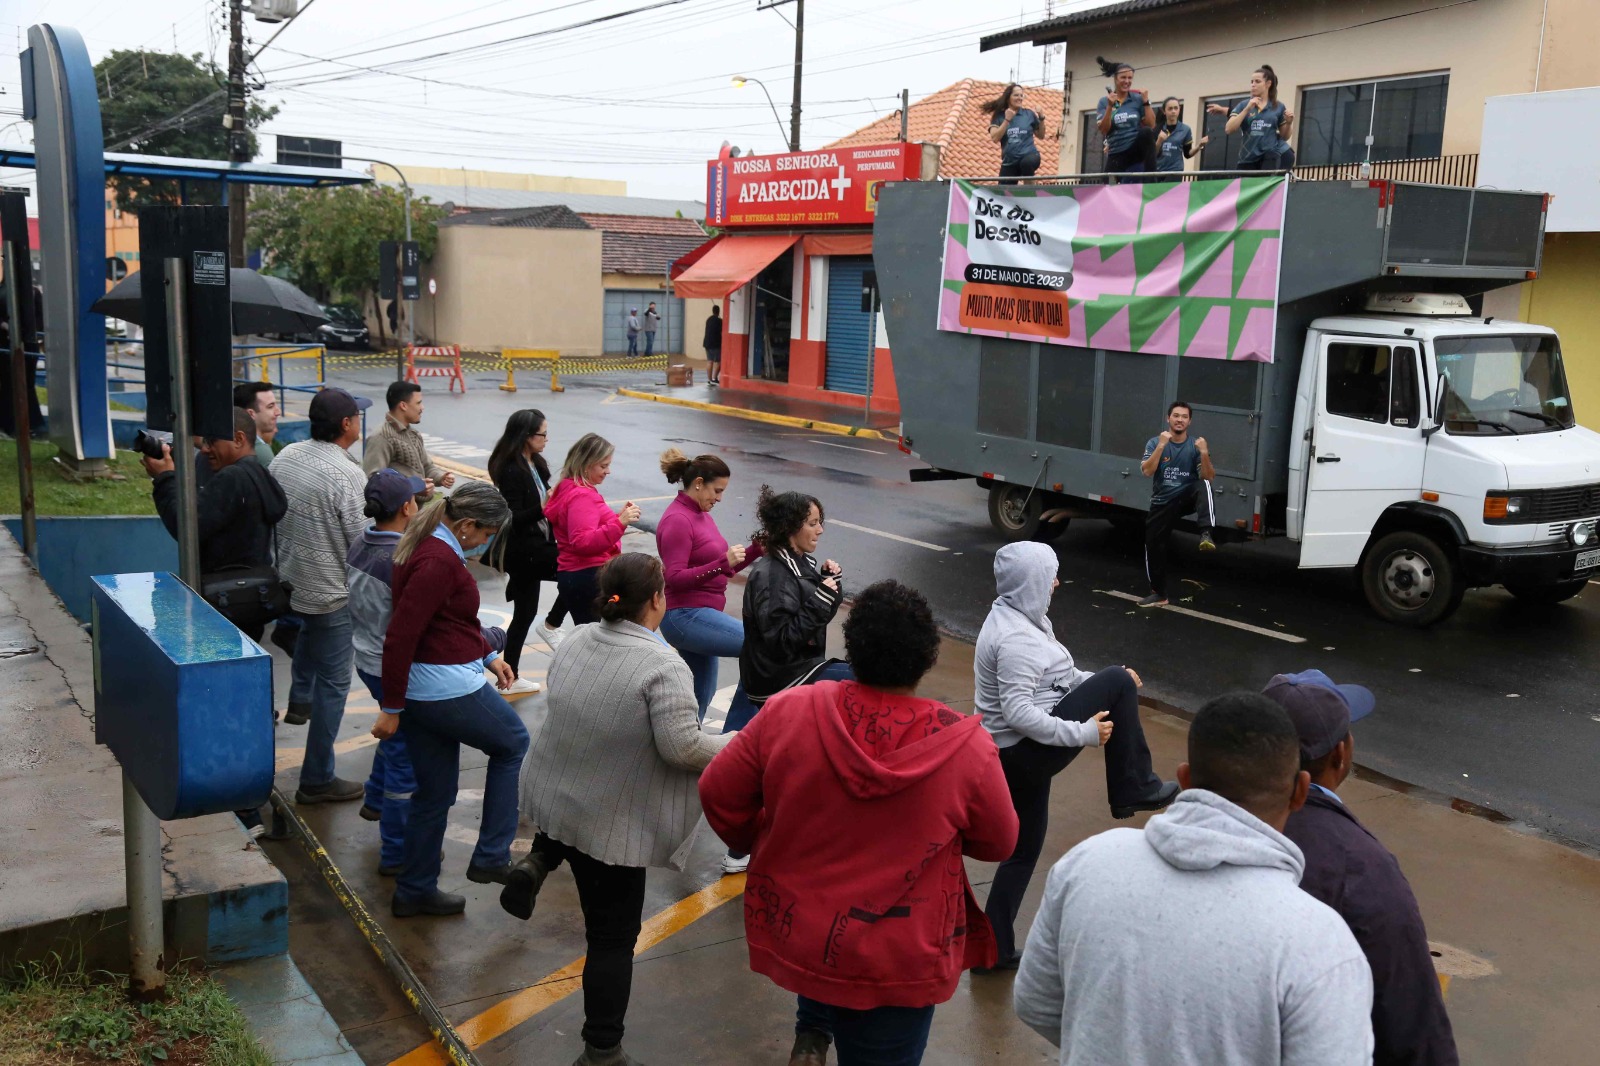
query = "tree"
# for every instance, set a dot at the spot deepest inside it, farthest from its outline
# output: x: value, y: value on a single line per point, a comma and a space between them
x: 326, y: 240
x: 153, y: 103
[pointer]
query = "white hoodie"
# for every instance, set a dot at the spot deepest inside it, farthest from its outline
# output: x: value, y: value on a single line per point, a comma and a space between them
x: 1190, y: 943
x: 1021, y: 670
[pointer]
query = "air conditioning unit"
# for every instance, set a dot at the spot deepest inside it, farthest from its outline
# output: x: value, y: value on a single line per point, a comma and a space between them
x: 273, y: 10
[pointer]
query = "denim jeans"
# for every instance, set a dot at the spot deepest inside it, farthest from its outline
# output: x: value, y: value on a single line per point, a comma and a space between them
x: 882, y: 1036
x: 325, y: 654
x: 741, y: 710
x: 390, y: 786
x: 434, y: 732
x: 703, y: 635
x: 649, y: 343
x: 633, y: 344
x: 299, y: 675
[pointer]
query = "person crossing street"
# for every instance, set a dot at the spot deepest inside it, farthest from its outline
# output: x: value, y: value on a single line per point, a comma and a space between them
x: 1180, y: 470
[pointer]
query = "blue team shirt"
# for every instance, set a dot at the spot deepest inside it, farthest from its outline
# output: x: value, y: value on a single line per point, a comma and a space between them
x: 1016, y: 144
x: 1125, y: 122
x: 1261, y: 132
x: 1179, y: 468
x: 1171, y: 156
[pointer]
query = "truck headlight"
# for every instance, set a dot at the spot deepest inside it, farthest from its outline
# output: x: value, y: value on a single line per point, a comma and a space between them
x: 1581, y: 533
x: 1504, y: 508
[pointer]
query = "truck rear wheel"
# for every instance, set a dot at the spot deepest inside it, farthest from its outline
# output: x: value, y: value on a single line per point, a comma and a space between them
x: 1410, y: 579
x: 1014, y: 510
x: 1557, y: 593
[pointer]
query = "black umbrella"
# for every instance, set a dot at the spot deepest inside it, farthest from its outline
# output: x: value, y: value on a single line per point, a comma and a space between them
x: 261, y: 303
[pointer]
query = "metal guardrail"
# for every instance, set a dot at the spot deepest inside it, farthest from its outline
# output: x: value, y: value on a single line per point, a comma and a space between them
x: 1460, y: 170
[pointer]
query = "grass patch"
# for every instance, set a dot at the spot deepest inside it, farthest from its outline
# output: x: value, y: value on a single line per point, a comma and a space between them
x: 54, y: 1016
x: 127, y: 492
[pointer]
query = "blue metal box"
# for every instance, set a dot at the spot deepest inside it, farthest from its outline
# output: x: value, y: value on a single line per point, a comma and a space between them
x: 182, y: 698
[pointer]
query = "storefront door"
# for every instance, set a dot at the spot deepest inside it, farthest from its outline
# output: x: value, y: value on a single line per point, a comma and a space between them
x: 850, y: 329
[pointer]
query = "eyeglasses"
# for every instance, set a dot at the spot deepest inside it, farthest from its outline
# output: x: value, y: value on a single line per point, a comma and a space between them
x: 541, y: 434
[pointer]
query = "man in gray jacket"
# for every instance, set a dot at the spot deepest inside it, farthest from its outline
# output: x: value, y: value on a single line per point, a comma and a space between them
x: 1189, y: 943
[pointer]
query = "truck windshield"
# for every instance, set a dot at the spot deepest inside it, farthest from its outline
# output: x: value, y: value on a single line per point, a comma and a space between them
x: 1503, y: 385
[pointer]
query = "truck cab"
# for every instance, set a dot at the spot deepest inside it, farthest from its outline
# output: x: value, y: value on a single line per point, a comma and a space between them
x: 1437, y: 451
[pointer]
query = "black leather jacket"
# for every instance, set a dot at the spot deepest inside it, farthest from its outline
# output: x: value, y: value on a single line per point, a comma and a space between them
x: 787, y: 609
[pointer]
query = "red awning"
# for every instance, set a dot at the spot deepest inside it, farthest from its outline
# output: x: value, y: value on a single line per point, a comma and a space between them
x: 837, y: 244
x: 730, y: 263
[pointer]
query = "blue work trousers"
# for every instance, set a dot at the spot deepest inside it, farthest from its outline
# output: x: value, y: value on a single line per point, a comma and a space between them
x: 389, y: 786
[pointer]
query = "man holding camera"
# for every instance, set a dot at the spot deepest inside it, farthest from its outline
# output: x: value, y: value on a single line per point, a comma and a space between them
x: 1180, y: 471
x: 237, y: 507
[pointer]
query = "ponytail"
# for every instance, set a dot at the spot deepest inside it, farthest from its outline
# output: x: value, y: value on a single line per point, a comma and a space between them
x: 1272, y: 82
x: 477, y: 501
x: 681, y: 470
x: 420, y: 528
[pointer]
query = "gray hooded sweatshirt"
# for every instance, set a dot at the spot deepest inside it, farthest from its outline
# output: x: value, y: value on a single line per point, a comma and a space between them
x: 1021, y: 670
x: 1189, y: 943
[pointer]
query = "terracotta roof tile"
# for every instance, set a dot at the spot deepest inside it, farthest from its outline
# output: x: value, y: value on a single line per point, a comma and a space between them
x: 644, y: 224
x: 953, y: 118
x: 636, y: 244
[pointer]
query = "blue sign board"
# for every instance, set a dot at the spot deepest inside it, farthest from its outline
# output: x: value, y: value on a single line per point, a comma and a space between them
x: 182, y: 698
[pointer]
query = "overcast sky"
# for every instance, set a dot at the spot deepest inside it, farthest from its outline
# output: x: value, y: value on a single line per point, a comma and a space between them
x: 646, y: 98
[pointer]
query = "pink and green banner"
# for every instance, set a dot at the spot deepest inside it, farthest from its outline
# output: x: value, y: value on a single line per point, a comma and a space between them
x: 1163, y: 268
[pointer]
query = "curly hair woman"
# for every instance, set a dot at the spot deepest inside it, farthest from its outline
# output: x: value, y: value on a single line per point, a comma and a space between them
x: 811, y: 789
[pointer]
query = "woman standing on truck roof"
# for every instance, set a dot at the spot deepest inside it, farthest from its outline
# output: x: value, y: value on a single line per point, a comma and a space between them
x: 1013, y: 127
x: 1126, y: 119
x: 1267, y: 123
x: 1175, y: 143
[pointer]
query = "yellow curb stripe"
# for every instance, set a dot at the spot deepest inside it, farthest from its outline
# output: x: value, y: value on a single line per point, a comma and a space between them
x: 520, y: 1006
x: 795, y: 421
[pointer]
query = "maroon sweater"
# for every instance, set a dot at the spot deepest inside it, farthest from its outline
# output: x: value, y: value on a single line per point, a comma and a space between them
x: 435, y: 617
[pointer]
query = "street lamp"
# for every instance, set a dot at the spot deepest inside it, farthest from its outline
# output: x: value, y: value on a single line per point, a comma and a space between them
x: 739, y: 81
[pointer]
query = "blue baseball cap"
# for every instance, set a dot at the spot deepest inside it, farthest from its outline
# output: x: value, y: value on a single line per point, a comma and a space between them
x: 1321, y: 711
x: 391, y: 490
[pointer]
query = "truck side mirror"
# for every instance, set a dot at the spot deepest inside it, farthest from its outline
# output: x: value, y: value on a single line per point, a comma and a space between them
x: 1436, y: 409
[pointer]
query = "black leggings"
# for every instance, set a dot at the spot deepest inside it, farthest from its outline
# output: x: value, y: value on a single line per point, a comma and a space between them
x: 612, y: 899
x: 1026, y: 167
x: 1029, y: 767
x: 579, y: 588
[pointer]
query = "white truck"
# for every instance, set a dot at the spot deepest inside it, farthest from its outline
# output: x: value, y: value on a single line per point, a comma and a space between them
x: 1397, y: 432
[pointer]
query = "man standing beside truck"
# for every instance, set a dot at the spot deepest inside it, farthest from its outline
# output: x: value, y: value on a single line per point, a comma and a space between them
x: 1180, y: 471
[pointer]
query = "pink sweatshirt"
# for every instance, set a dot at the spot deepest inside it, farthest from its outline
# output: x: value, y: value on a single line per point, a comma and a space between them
x: 695, y: 556
x: 588, y: 533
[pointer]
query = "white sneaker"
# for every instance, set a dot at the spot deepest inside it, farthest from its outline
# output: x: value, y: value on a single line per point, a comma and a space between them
x: 551, y: 637
x: 522, y: 685
x: 731, y: 865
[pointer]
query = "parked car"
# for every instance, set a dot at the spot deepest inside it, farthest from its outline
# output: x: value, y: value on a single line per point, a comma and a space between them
x: 344, y: 329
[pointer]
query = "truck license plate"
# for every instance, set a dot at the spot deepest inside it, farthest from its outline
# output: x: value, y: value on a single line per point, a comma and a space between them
x: 1586, y: 560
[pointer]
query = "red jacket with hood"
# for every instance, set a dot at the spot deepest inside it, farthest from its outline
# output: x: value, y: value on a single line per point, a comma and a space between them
x: 857, y: 807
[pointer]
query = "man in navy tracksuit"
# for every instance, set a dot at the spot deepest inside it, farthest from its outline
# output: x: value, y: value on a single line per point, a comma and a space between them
x: 1180, y: 471
x: 1349, y: 870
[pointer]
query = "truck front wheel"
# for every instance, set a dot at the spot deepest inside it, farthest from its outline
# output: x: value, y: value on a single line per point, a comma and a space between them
x: 1410, y: 579
x: 1015, y: 510
x: 1557, y: 593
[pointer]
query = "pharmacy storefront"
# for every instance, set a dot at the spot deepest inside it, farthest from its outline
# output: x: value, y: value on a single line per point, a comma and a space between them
x: 793, y: 266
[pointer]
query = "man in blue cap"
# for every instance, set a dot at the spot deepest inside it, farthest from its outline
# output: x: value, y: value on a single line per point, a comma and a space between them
x: 1349, y: 870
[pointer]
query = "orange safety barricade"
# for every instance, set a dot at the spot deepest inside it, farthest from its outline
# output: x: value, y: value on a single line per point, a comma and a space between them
x: 451, y: 370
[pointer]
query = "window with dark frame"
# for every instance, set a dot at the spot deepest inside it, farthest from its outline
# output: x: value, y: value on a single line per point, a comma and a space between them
x: 1222, y: 153
x: 1374, y: 383
x: 1091, y: 146
x: 1404, y: 116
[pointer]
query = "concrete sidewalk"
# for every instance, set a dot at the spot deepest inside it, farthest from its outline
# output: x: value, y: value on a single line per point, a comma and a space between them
x: 774, y: 410
x: 1515, y: 920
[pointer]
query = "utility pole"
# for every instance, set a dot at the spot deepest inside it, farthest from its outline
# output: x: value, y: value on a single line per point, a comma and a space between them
x: 799, y: 62
x: 238, y: 136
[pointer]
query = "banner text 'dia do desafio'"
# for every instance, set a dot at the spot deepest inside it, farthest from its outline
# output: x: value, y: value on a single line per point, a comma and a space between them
x: 1161, y: 268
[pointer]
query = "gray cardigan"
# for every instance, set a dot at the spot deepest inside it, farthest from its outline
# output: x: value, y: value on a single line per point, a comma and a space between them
x: 614, y: 768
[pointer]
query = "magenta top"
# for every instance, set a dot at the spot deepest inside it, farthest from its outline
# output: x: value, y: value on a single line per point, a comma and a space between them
x: 695, y: 556
x: 588, y: 533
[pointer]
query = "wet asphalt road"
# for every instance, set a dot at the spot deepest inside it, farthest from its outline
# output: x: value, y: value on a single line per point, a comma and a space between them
x: 1496, y: 706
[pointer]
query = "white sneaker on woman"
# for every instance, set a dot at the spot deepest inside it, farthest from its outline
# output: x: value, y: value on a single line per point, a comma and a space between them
x: 522, y: 685
x: 551, y: 637
x: 731, y: 865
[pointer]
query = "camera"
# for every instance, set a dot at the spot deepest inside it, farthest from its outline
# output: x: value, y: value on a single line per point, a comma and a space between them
x: 149, y: 442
